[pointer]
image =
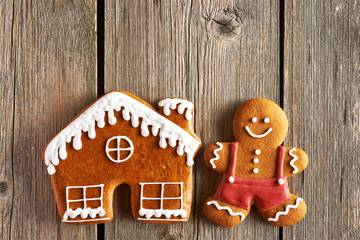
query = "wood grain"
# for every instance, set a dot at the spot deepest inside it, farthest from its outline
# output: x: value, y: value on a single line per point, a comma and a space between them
x: 6, y: 117
x: 214, y: 53
x: 321, y: 99
x: 52, y: 73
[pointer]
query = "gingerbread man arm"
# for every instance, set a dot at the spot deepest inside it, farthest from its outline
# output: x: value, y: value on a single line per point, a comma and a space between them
x: 296, y: 160
x: 217, y: 156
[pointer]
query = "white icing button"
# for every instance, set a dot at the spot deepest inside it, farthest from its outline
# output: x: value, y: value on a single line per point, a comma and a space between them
x: 254, y: 119
x: 255, y: 160
x: 255, y: 170
x: 231, y: 179
x: 281, y: 181
x: 266, y: 120
x: 257, y: 151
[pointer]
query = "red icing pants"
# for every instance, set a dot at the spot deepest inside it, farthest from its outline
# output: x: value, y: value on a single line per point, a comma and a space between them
x: 267, y: 192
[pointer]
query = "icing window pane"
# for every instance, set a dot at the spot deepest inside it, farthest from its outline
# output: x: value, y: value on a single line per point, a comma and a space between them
x: 119, y: 148
x: 161, y: 203
x: 84, y: 202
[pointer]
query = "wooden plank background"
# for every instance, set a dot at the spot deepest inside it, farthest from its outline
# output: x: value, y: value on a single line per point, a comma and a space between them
x: 58, y: 56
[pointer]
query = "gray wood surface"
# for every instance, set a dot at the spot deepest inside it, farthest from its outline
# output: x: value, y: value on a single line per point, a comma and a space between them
x: 215, y: 53
x: 48, y: 74
x: 321, y: 99
x: 6, y: 118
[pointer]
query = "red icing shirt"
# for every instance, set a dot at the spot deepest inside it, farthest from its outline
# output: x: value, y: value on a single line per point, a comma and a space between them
x: 267, y: 192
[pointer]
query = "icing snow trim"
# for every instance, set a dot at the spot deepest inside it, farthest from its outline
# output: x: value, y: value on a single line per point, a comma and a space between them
x: 148, y: 213
x: 171, y: 103
x: 84, y: 213
x: 132, y: 110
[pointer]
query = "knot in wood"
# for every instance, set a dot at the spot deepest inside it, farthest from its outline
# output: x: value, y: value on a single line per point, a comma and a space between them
x: 4, y: 188
x: 169, y: 236
x: 225, y: 25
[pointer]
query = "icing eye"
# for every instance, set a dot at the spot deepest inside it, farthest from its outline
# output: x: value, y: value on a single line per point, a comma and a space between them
x: 254, y: 119
x: 266, y: 120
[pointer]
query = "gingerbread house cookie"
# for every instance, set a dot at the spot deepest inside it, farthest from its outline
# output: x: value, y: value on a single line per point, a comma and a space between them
x: 255, y: 169
x: 119, y: 139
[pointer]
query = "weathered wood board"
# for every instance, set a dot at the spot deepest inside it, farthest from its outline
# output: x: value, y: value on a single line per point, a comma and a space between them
x: 48, y: 74
x: 214, y: 53
x: 6, y: 117
x: 322, y: 101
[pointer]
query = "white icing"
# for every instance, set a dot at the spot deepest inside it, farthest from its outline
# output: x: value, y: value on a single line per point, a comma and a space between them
x: 231, y: 179
x: 255, y: 135
x: 281, y: 181
x: 162, y: 219
x: 254, y: 119
x: 257, y: 151
x: 118, y: 148
x: 86, y: 211
x: 255, y: 160
x: 216, y: 154
x: 87, y: 220
x: 132, y: 110
x: 266, y: 120
x: 293, y: 160
x: 148, y: 213
x: 229, y: 210
x: 179, y: 104
x: 287, y: 208
x: 255, y: 170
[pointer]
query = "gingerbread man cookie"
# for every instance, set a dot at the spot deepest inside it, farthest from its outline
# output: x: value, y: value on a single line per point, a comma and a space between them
x: 120, y: 139
x: 255, y: 169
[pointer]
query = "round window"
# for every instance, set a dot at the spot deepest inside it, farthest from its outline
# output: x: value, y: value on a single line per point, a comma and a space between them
x: 119, y: 148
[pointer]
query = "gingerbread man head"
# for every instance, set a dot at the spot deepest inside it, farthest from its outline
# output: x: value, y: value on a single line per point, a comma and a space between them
x: 260, y: 121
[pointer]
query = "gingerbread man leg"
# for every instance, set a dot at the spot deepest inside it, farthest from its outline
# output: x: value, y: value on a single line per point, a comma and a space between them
x: 223, y: 213
x: 287, y: 213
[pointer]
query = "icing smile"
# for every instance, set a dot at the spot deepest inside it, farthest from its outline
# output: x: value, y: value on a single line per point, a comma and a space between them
x: 255, y: 135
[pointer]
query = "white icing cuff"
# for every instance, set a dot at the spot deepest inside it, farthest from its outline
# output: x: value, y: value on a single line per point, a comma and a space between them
x: 148, y: 213
x: 229, y: 210
x: 287, y: 209
x: 293, y: 160
x: 216, y: 155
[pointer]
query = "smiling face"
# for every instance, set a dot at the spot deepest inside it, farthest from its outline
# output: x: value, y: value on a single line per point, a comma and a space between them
x: 260, y: 120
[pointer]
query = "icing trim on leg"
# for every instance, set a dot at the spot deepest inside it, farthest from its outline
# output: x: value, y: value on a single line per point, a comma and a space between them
x: 242, y: 216
x: 287, y: 208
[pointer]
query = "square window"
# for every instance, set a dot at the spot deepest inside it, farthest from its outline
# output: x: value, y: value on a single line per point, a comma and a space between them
x: 151, y: 204
x: 93, y: 192
x: 93, y: 203
x: 75, y: 193
x: 76, y: 205
x: 172, y: 204
x: 172, y: 190
x: 152, y: 191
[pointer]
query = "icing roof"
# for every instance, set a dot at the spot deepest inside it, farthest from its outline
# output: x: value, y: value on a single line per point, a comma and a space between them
x: 132, y: 110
